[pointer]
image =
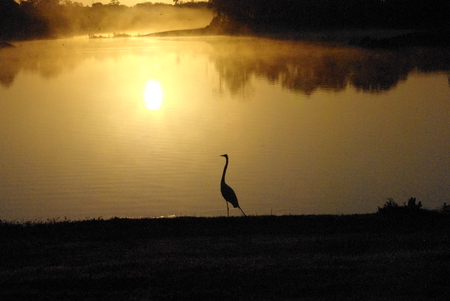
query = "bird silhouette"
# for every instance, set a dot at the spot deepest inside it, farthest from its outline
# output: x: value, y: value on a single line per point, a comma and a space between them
x: 227, y: 192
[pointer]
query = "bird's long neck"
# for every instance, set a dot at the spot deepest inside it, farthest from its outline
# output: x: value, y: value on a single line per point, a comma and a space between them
x: 224, y: 171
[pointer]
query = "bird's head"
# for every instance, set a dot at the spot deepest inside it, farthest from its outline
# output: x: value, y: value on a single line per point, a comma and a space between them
x: 225, y: 155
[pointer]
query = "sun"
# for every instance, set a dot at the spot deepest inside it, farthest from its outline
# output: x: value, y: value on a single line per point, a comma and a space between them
x: 153, y: 95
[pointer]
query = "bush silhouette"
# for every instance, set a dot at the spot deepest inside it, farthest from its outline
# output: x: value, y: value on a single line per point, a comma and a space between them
x: 391, y: 207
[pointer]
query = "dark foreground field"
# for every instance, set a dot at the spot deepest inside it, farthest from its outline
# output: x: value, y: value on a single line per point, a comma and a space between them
x: 357, y: 257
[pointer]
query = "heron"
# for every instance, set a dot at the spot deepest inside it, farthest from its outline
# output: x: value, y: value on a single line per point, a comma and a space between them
x: 227, y: 192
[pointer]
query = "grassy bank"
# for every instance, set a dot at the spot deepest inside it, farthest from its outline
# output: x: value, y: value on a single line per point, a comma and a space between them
x: 354, y: 257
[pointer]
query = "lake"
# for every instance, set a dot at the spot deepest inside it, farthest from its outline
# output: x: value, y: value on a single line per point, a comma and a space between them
x: 134, y: 127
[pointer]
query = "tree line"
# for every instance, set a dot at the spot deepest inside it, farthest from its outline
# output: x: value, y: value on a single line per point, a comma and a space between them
x: 28, y: 19
x: 33, y: 19
x: 261, y: 15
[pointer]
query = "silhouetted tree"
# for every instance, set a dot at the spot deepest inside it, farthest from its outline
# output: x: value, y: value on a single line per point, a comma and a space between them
x: 296, y: 14
x: 30, y: 19
x: 391, y: 207
x: 412, y: 204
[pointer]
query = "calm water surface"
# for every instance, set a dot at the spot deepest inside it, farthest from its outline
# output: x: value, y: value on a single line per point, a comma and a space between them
x: 134, y: 127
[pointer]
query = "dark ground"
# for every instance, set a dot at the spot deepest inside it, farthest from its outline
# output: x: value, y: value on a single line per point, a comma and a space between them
x: 349, y: 257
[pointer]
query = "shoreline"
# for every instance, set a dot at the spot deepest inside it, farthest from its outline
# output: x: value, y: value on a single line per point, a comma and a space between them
x: 323, y: 257
x: 372, y: 38
x: 366, y: 38
x: 248, y: 225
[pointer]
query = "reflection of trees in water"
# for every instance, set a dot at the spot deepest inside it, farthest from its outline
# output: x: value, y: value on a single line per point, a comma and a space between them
x: 300, y: 67
x: 47, y: 58
x: 46, y: 66
x: 304, y: 68
x: 8, y: 72
x: 378, y: 71
x: 236, y: 75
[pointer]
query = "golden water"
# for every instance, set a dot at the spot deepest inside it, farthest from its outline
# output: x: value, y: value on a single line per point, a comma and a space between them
x: 134, y: 127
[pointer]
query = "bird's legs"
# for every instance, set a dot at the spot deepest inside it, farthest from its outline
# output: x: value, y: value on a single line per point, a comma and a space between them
x: 242, y: 211
x: 228, y: 209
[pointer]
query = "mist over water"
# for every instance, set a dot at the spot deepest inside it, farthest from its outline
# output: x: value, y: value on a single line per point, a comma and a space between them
x: 54, y: 19
x: 134, y: 127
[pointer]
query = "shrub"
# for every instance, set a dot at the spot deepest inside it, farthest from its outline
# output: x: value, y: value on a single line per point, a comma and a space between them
x: 391, y: 207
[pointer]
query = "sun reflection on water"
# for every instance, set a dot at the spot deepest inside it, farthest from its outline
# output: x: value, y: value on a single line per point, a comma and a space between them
x: 153, y: 95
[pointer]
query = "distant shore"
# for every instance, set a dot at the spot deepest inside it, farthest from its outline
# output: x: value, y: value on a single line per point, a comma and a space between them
x: 5, y: 44
x: 365, y: 38
x: 359, y: 37
x: 206, y: 31
x: 376, y: 38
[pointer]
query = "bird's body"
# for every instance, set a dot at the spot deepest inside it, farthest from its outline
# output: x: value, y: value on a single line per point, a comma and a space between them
x: 227, y: 192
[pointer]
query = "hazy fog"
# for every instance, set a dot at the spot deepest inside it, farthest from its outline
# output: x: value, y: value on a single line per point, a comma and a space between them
x: 123, y: 2
x: 52, y: 18
x: 148, y: 19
